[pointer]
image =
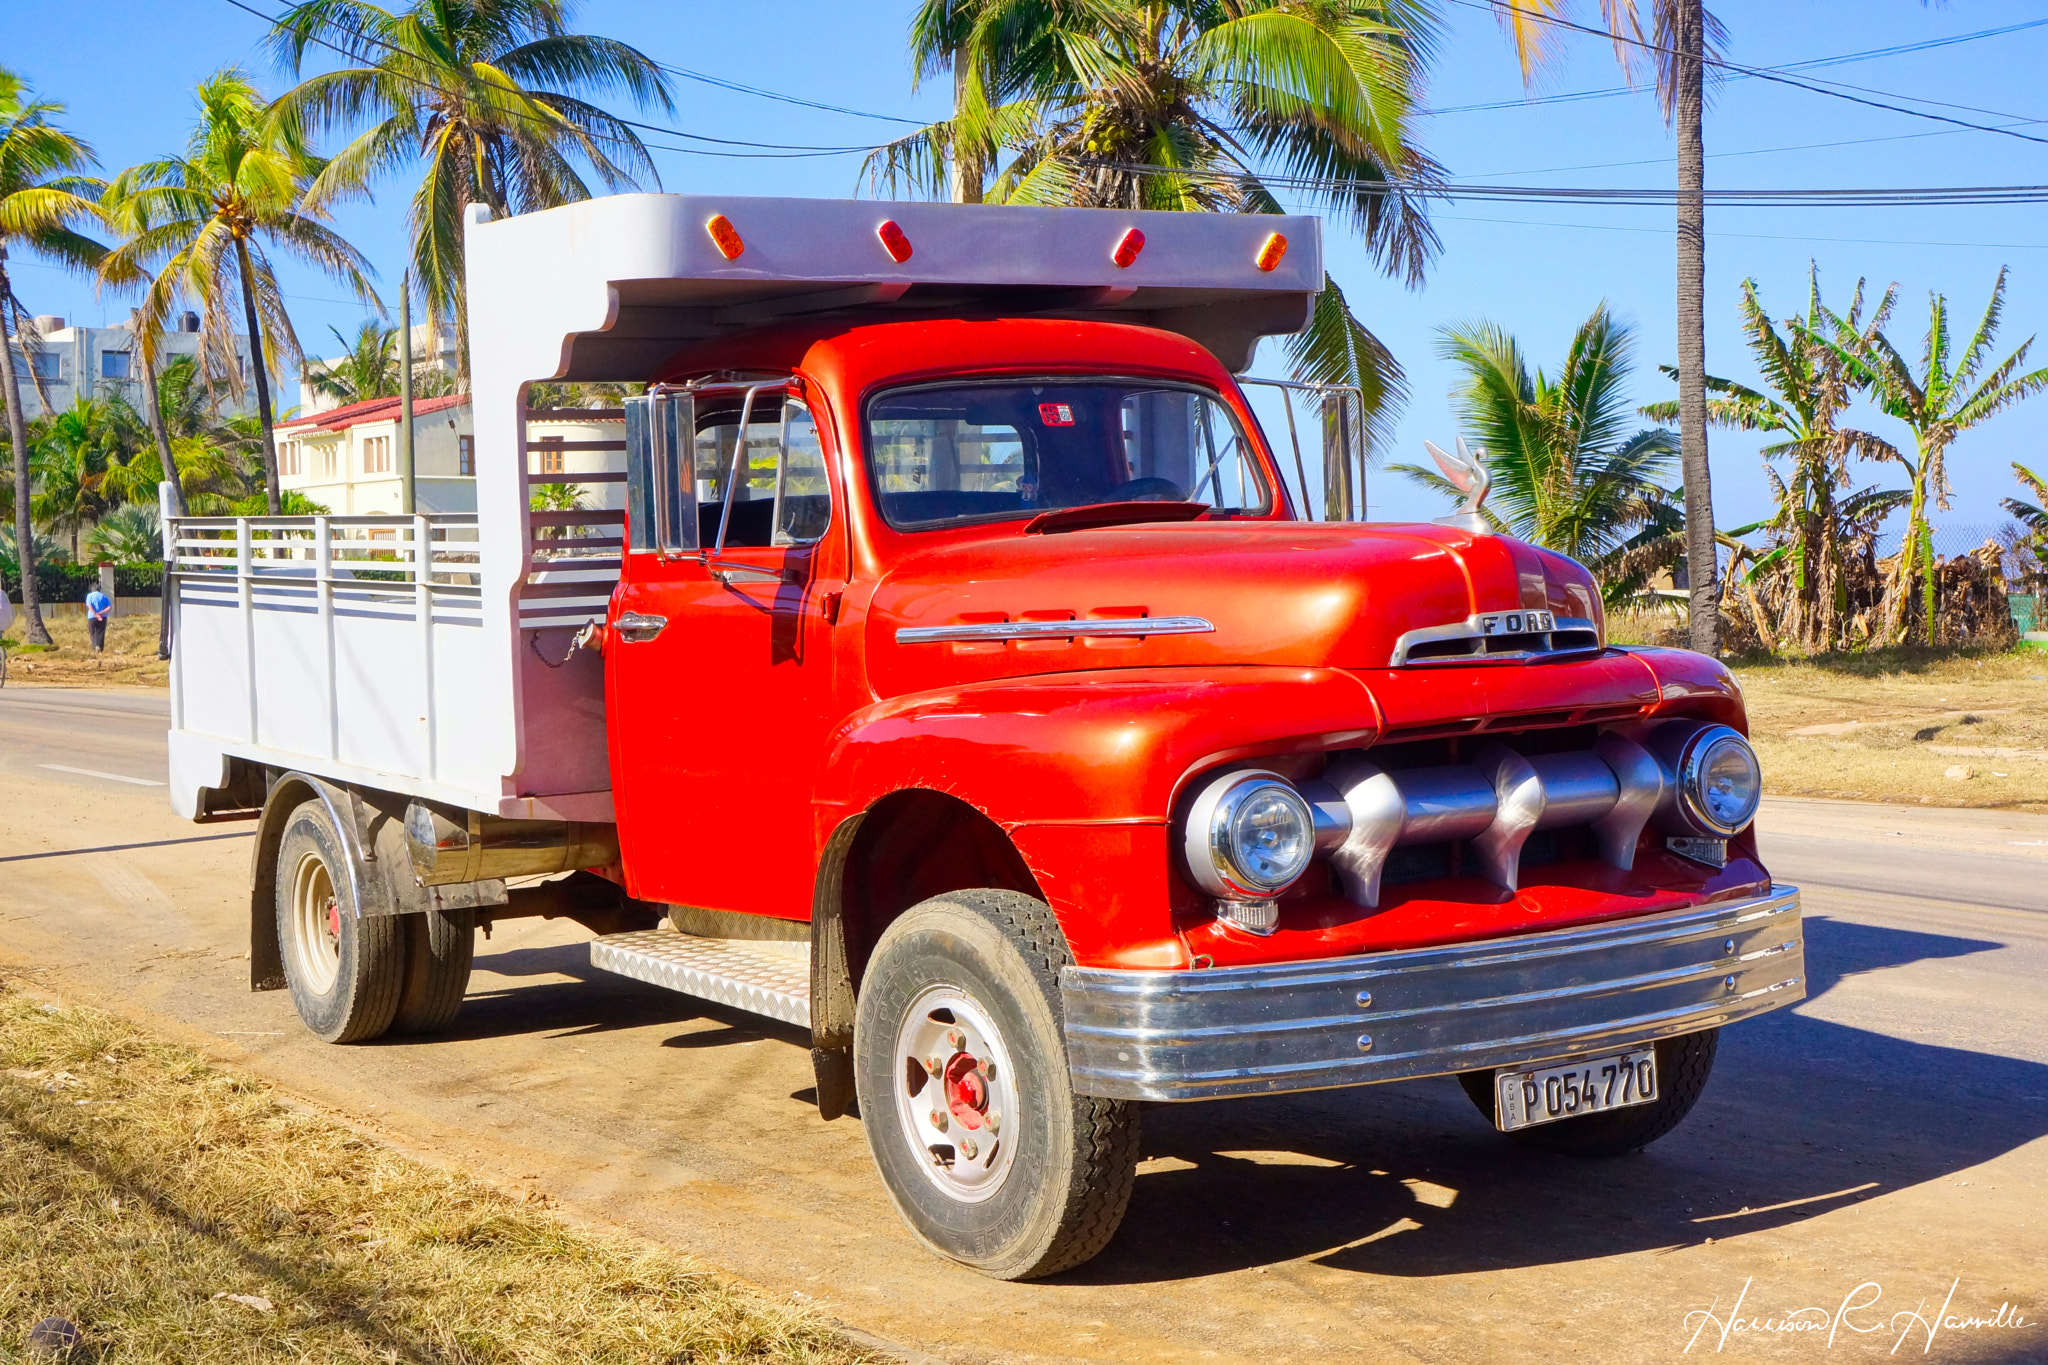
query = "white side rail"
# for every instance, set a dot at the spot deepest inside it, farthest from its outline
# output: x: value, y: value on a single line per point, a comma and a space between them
x: 349, y: 646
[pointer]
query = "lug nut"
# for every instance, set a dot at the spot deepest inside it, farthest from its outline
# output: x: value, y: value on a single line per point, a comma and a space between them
x: 992, y: 1120
x: 967, y: 1148
x: 988, y: 1067
x: 933, y: 1065
x: 955, y: 1039
x: 939, y: 1119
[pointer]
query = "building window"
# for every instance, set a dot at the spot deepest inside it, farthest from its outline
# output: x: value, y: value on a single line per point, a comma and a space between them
x: 113, y: 364
x: 551, y: 455
x: 48, y: 365
x: 288, y: 459
x: 327, y: 461
x: 377, y: 455
x: 465, y: 455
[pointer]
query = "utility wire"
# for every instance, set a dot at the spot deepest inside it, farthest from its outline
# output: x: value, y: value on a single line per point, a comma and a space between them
x: 724, y: 84
x: 1774, y: 77
x: 1868, y: 54
x: 1903, y: 197
x: 772, y: 150
x: 1751, y: 151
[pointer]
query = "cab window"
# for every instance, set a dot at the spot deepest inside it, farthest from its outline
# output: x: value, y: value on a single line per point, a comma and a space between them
x: 940, y: 454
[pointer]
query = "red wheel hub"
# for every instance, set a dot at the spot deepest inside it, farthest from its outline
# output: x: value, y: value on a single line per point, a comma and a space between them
x: 333, y: 921
x: 966, y: 1090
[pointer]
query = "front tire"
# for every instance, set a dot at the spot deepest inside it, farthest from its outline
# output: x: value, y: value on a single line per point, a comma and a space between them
x: 1683, y: 1065
x: 961, y: 1067
x: 345, y: 969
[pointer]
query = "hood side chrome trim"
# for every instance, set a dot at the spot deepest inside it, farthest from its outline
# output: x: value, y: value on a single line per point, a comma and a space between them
x: 1055, y: 630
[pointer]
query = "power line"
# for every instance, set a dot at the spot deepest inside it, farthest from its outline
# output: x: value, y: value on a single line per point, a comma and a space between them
x: 1902, y: 197
x: 773, y: 150
x: 1752, y: 151
x: 1746, y: 236
x: 1775, y: 77
x: 1843, y: 59
x: 724, y: 84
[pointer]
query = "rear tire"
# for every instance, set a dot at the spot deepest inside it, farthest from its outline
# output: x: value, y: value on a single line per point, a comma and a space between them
x: 438, y: 949
x: 345, y: 969
x: 970, y: 981
x: 1683, y: 1065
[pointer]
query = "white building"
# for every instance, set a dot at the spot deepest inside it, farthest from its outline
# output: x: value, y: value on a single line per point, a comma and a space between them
x: 347, y: 459
x: 80, y: 362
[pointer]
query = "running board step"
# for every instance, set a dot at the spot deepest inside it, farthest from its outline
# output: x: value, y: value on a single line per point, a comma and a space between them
x: 717, y: 969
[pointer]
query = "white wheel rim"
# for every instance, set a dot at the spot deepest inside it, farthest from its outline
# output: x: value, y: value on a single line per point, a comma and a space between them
x: 316, y: 924
x: 956, y: 1094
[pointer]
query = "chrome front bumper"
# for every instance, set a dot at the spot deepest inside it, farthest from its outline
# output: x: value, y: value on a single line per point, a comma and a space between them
x: 1197, y: 1035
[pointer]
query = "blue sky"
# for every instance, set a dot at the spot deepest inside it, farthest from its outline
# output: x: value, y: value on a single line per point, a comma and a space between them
x: 126, y: 68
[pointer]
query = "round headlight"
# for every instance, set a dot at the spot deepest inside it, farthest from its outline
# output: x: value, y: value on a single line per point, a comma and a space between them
x: 1719, y: 781
x: 1249, y: 835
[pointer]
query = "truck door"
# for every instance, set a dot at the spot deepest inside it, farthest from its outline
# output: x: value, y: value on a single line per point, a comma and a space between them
x: 718, y: 670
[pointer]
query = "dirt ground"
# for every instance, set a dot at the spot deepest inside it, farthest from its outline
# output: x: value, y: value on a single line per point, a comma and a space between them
x: 174, y: 1210
x: 130, y: 659
x: 1883, y: 1142
x: 1956, y: 731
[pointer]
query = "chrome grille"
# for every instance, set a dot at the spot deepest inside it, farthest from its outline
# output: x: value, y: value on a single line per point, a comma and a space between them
x: 1496, y: 637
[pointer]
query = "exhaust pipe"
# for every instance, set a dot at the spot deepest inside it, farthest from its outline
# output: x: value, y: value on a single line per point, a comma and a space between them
x: 447, y: 845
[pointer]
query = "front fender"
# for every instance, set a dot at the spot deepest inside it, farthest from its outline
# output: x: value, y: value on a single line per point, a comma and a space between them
x: 1095, y: 748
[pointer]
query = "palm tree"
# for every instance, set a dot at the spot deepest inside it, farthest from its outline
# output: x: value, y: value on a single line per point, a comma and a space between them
x: 199, y: 226
x: 1567, y: 472
x: 1938, y: 404
x: 1684, y: 39
x: 70, y: 458
x: 1190, y: 104
x: 130, y: 534
x: 486, y: 94
x: 1809, y: 389
x: 44, y: 196
x: 368, y: 367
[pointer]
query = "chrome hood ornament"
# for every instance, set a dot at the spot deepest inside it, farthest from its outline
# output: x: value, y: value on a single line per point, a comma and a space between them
x: 1467, y: 473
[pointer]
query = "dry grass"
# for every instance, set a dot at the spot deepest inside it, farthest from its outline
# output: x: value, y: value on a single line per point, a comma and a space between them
x: 130, y: 660
x: 139, y: 1182
x: 1888, y: 726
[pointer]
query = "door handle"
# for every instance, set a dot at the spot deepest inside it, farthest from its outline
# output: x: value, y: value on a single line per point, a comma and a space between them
x: 635, y: 628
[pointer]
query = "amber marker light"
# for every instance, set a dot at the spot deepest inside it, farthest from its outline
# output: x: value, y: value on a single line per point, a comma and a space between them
x: 1270, y: 252
x: 1127, y: 248
x: 893, y: 241
x: 724, y: 236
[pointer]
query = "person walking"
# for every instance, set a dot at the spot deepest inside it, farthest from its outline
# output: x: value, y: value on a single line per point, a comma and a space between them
x: 98, y: 607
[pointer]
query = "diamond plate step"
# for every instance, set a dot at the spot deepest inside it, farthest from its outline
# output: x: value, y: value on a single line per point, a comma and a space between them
x: 723, y: 970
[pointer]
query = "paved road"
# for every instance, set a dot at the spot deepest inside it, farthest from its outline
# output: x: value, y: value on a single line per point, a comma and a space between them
x: 1889, y: 1130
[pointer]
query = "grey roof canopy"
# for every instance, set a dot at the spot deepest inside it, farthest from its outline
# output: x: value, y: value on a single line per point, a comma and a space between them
x: 664, y: 281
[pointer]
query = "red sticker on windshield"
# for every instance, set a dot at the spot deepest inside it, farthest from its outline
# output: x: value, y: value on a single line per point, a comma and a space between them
x: 1056, y: 414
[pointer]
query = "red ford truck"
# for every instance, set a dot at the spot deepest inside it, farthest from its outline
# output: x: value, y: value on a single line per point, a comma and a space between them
x: 938, y: 657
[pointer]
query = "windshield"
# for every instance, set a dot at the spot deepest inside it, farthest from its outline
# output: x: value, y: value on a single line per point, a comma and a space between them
x: 941, y: 454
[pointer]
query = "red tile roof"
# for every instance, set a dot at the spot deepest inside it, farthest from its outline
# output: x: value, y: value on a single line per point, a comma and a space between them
x: 369, y: 410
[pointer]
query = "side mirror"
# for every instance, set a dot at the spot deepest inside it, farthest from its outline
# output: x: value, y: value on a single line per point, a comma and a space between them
x: 661, y: 478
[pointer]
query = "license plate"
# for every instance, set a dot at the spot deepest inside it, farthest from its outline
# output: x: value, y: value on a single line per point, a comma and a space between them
x: 1546, y: 1094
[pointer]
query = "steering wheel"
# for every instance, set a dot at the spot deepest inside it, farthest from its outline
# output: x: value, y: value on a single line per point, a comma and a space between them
x: 1148, y: 490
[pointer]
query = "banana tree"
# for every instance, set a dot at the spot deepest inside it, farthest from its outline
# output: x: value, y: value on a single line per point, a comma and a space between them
x: 1806, y: 388
x: 1950, y: 393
